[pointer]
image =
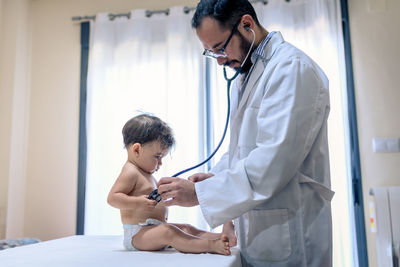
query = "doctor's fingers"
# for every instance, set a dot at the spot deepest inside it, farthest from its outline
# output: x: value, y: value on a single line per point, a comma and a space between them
x: 167, y: 184
x: 179, y: 199
x: 170, y: 202
x: 167, y: 197
x: 165, y: 180
x: 184, y: 195
x: 198, y: 177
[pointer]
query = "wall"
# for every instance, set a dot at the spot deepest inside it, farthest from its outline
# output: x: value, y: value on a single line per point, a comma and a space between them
x: 375, y: 39
x: 5, y: 122
x: 14, y: 73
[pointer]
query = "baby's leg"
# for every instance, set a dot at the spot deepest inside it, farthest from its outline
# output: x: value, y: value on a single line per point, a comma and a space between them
x: 152, y: 238
x: 190, y: 229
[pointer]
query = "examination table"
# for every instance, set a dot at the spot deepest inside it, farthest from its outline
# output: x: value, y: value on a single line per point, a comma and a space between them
x: 85, y: 251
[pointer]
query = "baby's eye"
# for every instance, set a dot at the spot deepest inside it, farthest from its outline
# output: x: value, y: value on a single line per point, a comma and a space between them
x: 158, y: 157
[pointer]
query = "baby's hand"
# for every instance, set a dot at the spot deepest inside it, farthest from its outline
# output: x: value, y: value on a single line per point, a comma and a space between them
x: 148, y: 204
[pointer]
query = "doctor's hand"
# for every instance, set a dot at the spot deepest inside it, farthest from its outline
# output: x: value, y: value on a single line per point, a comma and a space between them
x: 177, y: 191
x: 198, y: 177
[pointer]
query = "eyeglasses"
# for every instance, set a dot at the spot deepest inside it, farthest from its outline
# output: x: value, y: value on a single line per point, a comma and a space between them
x: 221, y: 52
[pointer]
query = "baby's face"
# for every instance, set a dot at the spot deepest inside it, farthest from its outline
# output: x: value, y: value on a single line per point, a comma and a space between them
x: 151, y: 155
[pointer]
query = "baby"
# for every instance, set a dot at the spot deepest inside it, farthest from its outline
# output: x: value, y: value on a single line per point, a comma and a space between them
x: 147, y: 140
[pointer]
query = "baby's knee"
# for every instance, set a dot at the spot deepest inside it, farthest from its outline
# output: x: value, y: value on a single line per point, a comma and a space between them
x: 187, y: 228
x: 169, y: 231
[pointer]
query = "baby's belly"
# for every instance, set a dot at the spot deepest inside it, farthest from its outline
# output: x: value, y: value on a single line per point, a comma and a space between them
x: 136, y: 217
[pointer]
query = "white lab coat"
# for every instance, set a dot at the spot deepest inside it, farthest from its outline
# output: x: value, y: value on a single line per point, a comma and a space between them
x: 274, y: 181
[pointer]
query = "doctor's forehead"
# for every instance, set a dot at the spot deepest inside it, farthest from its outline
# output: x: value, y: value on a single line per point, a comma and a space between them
x: 210, y: 32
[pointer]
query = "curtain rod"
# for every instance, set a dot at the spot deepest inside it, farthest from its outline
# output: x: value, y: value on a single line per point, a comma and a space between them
x: 149, y: 13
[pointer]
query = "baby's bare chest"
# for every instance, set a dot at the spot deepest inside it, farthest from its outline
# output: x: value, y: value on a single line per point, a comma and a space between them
x: 143, y: 186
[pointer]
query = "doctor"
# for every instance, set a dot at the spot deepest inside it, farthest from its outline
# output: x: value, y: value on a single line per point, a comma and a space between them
x: 274, y: 181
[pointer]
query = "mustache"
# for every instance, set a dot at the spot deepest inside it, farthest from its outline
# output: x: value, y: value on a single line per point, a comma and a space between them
x: 228, y: 63
x: 246, y: 67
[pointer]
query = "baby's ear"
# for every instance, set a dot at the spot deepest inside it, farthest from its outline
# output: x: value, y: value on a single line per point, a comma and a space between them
x: 135, y: 148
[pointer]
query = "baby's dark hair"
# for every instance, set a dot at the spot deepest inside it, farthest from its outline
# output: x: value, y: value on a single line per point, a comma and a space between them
x: 146, y: 128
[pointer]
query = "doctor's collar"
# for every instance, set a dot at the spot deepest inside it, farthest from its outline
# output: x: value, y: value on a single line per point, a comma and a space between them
x: 259, y: 51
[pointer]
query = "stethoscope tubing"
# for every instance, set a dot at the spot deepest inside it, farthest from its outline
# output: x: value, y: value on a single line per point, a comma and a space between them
x: 224, y: 133
x: 229, y: 81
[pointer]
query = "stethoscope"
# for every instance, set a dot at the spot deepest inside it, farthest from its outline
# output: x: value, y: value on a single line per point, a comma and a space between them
x: 154, y: 195
x: 228, y: 85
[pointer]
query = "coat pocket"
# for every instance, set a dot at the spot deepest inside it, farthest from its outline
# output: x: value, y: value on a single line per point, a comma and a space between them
x: 268, y: 236
x: 325, y: 192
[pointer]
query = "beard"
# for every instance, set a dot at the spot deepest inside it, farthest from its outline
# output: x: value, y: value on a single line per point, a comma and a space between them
x: 244, y: 47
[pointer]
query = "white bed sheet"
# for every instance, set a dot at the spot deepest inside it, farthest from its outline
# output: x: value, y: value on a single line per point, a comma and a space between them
x: 79, y: 251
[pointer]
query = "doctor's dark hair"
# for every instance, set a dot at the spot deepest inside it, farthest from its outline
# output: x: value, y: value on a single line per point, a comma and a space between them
x: 226, y: 12
x: 146, y: 128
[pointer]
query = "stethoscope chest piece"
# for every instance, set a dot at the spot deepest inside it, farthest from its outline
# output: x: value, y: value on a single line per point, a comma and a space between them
x: 154, y: 195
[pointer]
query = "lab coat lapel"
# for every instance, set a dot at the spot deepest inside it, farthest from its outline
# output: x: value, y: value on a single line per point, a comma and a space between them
x: 255, y: 75
x: 234, y: 98
x: 258, y: 69
x: 233, y: 122
x: 251, y: 84
x: 237, y: 115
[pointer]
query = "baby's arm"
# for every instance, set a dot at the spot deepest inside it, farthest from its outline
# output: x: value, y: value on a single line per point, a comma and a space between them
x: 119, y: 196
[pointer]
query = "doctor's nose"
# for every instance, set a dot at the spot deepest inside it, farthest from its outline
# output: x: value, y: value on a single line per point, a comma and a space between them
x: 221, y: 60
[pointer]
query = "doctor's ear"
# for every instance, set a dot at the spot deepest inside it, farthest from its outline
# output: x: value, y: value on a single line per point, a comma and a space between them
x: 247, y: 22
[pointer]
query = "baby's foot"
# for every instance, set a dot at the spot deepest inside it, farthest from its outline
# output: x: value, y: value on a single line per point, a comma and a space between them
x: 220, y: 246
x: 231, y: 236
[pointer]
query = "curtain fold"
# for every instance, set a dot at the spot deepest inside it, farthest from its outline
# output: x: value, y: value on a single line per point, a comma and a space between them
x: 138, y: 65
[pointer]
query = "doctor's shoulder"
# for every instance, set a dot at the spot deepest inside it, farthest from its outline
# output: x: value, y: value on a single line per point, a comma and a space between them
x: 287, y: 53
x: 288, y: 61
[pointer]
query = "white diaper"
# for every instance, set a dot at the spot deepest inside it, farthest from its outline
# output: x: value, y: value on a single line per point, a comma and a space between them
x: 130, y: 230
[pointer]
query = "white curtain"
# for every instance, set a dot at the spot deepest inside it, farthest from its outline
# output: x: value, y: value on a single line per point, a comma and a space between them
x: 314, y: 26
x: 142, y: 64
